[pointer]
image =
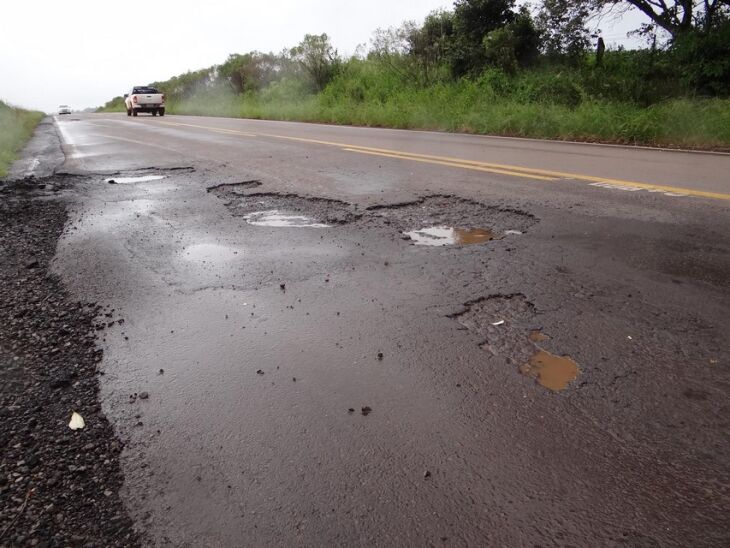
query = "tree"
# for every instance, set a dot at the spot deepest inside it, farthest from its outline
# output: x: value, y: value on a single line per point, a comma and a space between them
x: 674, y: 16
x: 514, y: 45
x: 562, y: 24
x: 473, y: 20
x: 430, y: 44
x: 499, y: 47
x: 250, y: 71
x: 318, y: 58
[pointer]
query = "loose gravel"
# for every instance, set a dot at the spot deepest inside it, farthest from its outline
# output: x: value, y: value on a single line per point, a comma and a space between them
x: 58, y: 487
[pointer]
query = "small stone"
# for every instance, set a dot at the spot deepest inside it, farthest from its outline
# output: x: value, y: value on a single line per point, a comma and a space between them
x: 144, y: 395
x: 366, y: 410
x: 162, y: 372
x: 350, y: 410
x: 259, y: 372
x: 426, y: 474
x: 282, y: 287
x: 380, y: 355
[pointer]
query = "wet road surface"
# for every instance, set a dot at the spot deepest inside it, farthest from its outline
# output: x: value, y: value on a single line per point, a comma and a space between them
x: 553, y: 371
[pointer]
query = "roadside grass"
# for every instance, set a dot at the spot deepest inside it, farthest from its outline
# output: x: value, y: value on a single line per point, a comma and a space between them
x: 16, y: 127
x: 684, y: 123
x: 616, y: 103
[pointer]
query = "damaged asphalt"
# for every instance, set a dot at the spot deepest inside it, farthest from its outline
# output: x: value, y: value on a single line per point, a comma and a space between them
x: 283, y: 364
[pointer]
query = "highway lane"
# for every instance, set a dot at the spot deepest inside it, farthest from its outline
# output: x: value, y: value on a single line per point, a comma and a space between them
x: 274, y: 341
x: 700, y: 174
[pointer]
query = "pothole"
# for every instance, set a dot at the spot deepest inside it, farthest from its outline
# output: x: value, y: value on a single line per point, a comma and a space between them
x: 130, y: 180
x: 508, y: 327
x: 275, y: 218
x: 448, y: 235
x: 281, y: 210
x: 449, y: 220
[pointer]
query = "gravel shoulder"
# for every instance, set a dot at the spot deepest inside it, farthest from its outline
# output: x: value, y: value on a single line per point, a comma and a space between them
x: 58, y: 487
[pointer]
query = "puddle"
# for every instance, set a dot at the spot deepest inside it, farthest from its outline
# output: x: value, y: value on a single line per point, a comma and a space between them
x: 551, y: 371
x: 538, y: 336
x: 446, y: 235
x: 277, y: 219
x: 209, y: 253
x: 128, y: 180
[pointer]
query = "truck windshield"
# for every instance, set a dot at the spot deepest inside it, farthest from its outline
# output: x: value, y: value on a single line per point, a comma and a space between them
x: 145, y: 90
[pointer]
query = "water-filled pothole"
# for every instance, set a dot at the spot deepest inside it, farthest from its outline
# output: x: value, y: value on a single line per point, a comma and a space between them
x: 551, y: 371
x: 449, y: 220
x: 507, y: 326
x: 271, y: 209
x: 276, y: 218
x: 129, y: 180
x: 447, y: 235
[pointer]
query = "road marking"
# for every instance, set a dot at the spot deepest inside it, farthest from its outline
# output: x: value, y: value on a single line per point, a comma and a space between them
x: 635, y: 189
x: 453, y: 164
x: 217, y: 129
x: 542, y: 173
x: 505, y: 169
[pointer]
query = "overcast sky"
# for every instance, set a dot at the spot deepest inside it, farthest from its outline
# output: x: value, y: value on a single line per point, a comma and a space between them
x: 84, y: 52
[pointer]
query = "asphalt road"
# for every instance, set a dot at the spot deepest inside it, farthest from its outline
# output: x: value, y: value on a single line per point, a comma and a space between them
x: 339, y: 385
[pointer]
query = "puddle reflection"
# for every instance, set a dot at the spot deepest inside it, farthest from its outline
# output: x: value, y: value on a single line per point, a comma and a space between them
x: 275, y: 218
x: 447, y: 235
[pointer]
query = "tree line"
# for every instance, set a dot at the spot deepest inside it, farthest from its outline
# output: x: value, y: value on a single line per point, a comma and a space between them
x: 687, y: 51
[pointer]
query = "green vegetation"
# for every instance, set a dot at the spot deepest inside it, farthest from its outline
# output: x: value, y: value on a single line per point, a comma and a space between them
x: 16, y: 127
x: 488, y: 67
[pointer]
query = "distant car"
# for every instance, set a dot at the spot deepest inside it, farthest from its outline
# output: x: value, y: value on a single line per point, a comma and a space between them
x: 144, y: 99
x: 64, y: 109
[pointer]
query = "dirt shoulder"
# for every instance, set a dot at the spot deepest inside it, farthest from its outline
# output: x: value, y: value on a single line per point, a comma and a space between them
x: 58, y: 487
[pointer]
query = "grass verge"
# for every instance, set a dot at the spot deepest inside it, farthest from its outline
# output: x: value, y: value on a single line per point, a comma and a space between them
x: 16, y: 127
x: 676, y: 123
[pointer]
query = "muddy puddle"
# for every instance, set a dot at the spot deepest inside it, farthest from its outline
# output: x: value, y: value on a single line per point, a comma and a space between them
x: 508, y: 329
x: 276, y: 218
x: 553, y: 372
x: 447, y: 235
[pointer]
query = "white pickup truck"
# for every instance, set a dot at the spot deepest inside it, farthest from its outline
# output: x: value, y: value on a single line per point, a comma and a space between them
x: 144, y: 99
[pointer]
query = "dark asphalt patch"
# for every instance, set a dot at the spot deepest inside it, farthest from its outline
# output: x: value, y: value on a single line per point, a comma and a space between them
x: 58, y: 487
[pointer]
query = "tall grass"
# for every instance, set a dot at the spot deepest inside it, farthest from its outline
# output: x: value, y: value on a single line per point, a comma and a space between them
x: 624, y: 101
x: 16, y: 127
x: 685, y: 123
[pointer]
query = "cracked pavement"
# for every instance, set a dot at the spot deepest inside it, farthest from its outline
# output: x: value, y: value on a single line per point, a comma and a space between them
x: 253, y: 338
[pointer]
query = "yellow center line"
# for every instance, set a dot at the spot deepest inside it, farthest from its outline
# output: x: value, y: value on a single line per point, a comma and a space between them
x: 452, y: 164
x: 217, y: 129
x: 504, y: 169
x: 510, y: 169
